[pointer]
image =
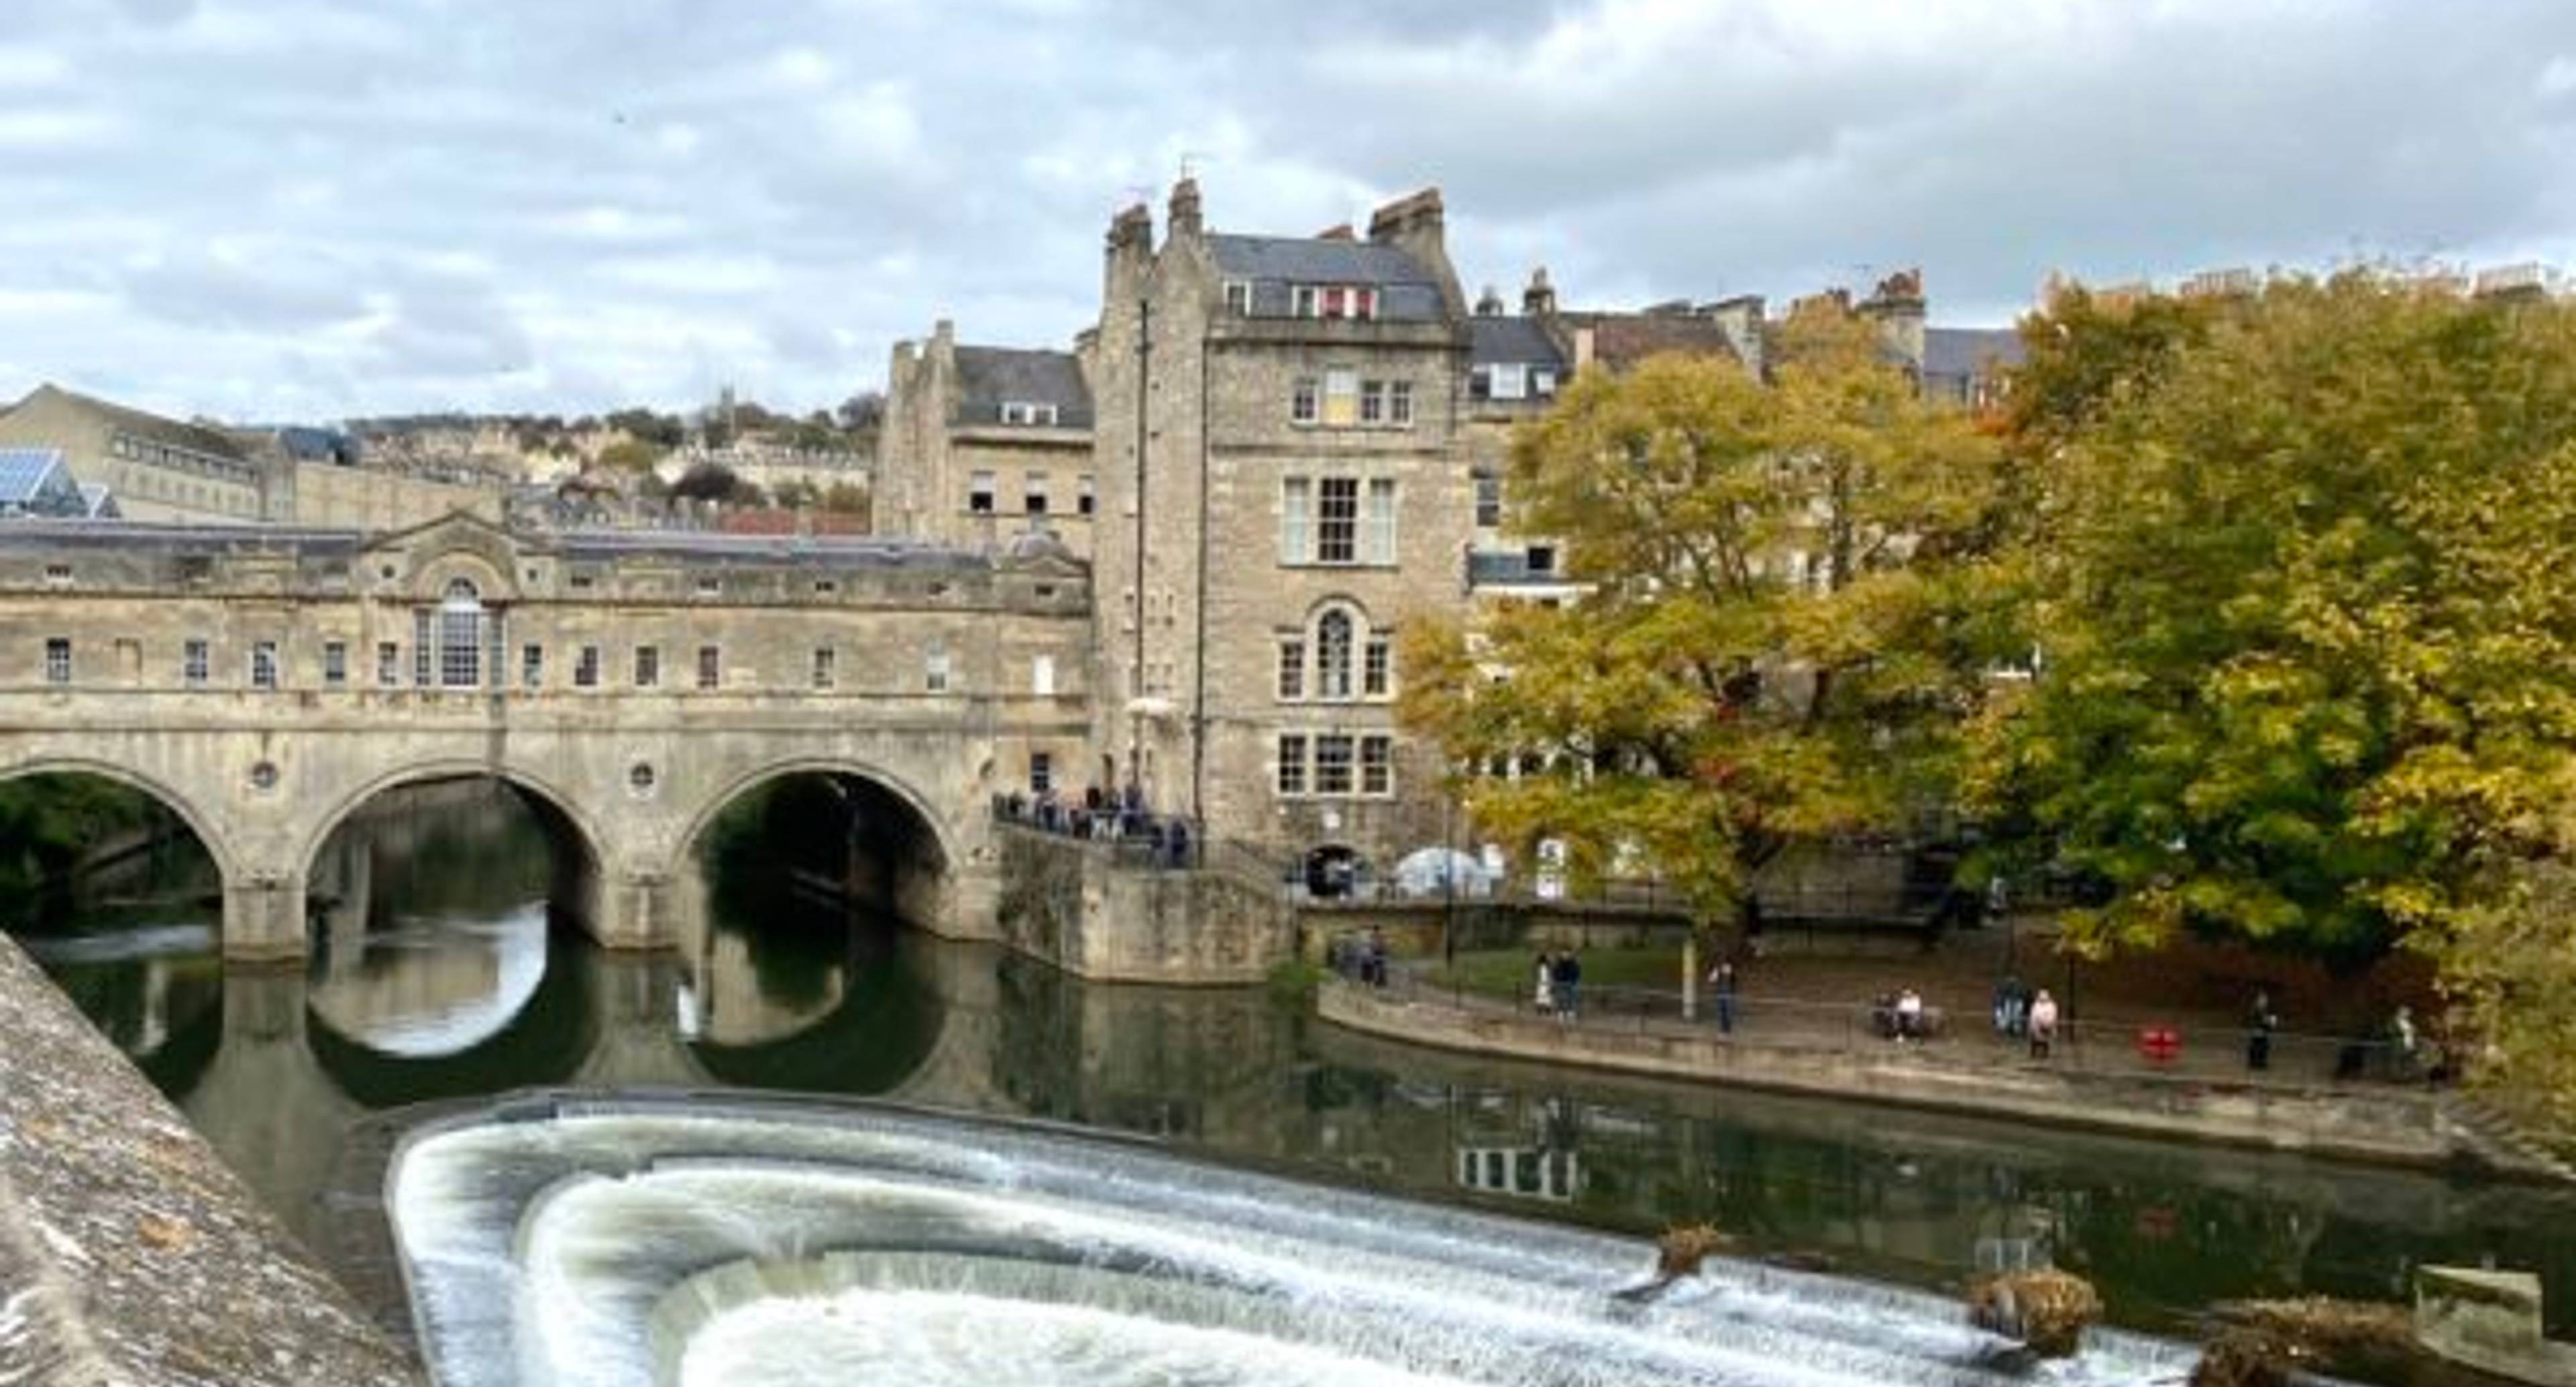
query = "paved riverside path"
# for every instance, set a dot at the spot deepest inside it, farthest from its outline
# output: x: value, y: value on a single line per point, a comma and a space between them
x: 129, y: 1253
x: 1833, y: 1051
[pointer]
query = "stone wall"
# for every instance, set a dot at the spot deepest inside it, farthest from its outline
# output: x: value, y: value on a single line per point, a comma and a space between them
x: 2401, y: 1127
x: 128, y: 1252
x: 1071, y: 904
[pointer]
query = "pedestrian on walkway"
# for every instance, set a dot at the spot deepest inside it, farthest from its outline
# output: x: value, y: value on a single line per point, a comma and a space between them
x: 1721, y: 981
x: 1568, y: 976
x: 1544, y: 998
x: 2043, y: 1024
x: 2260, y: 1022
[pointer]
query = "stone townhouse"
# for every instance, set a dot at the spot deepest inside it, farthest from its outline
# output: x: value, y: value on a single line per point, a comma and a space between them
x: 1295, y: 446
x: 982, y: 443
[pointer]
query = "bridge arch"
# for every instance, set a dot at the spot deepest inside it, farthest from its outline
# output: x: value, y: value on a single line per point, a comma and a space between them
x: 226, y: 858
x: 919, y: 890
x: 553, y: 797
x: 564, y: 815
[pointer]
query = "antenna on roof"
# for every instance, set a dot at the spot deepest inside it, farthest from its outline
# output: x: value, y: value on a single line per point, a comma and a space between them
x: 1190, y: 163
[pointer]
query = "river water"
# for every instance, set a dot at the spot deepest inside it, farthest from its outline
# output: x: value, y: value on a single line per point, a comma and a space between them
x: 452, y: 978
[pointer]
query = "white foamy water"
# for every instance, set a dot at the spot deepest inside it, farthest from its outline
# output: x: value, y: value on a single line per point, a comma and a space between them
x: 917, y: 1339
x: 651, y: 1243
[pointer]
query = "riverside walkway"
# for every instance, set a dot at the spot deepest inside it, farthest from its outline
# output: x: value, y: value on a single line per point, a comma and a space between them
x: 2320, y: 1095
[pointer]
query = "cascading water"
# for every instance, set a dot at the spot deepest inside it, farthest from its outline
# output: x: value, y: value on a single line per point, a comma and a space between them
x: 609, y: 1243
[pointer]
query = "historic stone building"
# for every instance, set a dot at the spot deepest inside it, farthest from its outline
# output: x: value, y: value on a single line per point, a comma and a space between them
x: 161, y: 469
x: 981, y: 443
x: 1292, y: 446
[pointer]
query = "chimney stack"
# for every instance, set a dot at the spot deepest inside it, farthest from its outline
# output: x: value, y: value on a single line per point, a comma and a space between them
x: 1539, y: 299
x: 1182, y: 222
x: 1897, y: 307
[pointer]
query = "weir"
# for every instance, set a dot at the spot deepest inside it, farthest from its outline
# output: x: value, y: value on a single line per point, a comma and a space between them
x: 644, y: 1242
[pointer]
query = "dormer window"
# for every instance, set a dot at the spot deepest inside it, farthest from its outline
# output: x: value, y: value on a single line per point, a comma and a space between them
x: 1347, y: 301
x: 1304, y: 300
x: 1028, y: 412
x: 1238, y: 297
x: 1507, y: 381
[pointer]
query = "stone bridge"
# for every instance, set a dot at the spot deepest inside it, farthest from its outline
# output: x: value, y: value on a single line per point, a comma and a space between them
x: 264, y: 684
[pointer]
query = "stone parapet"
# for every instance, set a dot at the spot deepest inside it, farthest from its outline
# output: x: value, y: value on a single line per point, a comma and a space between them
x: 129, y: 1254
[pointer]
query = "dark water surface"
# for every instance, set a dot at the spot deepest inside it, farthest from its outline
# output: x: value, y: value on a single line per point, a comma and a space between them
x: 439, y: 972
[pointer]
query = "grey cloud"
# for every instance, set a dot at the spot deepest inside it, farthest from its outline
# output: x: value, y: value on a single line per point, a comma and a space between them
x: 582, y: 203
x: 198, y: 289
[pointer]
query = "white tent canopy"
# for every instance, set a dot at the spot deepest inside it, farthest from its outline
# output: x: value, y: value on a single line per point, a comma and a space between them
x: 1431, y: 872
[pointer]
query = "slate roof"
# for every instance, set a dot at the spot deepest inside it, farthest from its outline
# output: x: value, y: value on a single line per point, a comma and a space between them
x: 1272, y: 264
x: 1621, y: 340
x: 1311, y: 260
x: 1502, y: 340
x: 1969, y: 351
x: 988, y: 377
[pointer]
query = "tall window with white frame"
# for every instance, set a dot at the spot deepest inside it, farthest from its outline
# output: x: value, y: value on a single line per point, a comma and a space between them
x: 585, y: 668
x: 460, y: 636
x: 1304, y: 401
x: 1377, y: 765
x: 934, y: 669
x: 1292, y: 668
x: 1333, y: 640
x: 58, y: 659
x: 388, y: 664
x: 1296, y: 504
x: 194, y: 663
x: 532, y: 666
x: 1377, y: 660
x: 979, y: 493
x: 826, y: 658
x: 263, y: 664
x: 1292, y: 764
x: 1489, y: 498
x: 1337, y: 517
x: 1041, y: 773
x: 710, y: 667
x: 335, y: 664
x: 648, y: 666
x: 1333, y: 764
x: 1378, y: 536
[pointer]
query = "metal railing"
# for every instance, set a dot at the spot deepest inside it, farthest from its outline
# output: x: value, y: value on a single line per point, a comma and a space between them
x: 2210, y: 1054
x: 1140, y: 840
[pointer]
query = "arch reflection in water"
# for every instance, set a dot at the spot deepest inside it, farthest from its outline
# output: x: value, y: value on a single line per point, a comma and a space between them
x: 801, y: 977
x: 441, y: 912
x: 633, y: 1242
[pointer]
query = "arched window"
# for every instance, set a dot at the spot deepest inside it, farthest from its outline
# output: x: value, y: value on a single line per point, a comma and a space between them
x: 460, y: 636
x: 1333, y: 640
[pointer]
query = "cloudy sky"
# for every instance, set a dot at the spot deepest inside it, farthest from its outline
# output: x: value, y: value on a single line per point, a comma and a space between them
x: 307, y: 209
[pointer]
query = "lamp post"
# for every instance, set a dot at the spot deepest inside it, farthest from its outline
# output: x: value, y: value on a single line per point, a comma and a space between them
x: 1449, y: 879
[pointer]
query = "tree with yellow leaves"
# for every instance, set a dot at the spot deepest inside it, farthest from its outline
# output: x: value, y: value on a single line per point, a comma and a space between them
x: 1768, y: 646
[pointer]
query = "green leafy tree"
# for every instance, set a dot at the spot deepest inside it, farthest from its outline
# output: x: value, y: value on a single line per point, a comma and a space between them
x: 1768, y: 648
x: 2304, y: 582
x: 631, y: 455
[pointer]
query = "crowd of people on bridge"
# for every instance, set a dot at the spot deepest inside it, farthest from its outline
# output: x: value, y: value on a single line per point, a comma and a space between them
x: 1168, y: 840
